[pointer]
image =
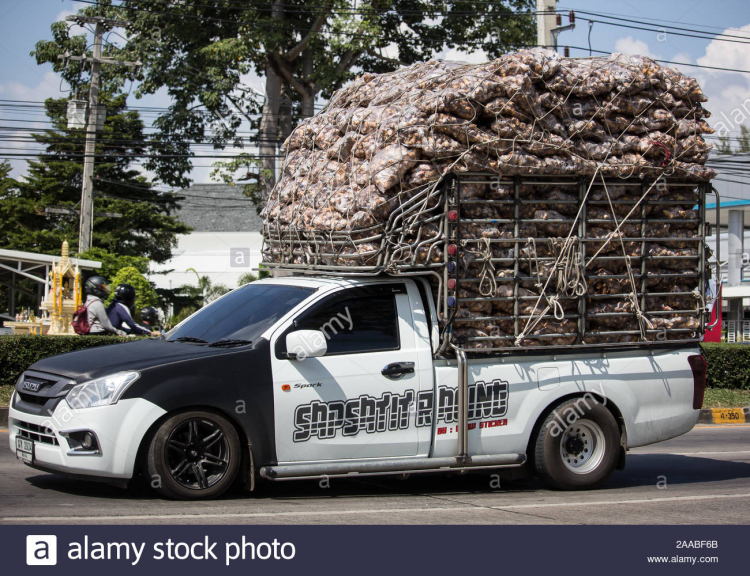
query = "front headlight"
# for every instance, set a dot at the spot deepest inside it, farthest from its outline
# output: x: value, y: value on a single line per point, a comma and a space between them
x: 102, y: 391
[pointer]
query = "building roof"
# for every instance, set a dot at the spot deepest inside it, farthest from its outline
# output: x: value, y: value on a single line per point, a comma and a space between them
x: 726, y: 207
x: 218, y: 208
x: 735, y: 291
x: 34, y: 258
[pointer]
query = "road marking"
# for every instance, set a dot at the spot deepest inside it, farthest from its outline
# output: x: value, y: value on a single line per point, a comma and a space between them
x: 3, y: 429
x: 709, y: 426
x: 690, y: 453
x: 298, y: 513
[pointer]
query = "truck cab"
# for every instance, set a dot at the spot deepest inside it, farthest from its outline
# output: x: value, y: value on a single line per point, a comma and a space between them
x: 313, y: 376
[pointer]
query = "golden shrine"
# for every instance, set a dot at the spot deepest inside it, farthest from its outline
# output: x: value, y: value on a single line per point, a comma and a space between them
x: 65, y: 294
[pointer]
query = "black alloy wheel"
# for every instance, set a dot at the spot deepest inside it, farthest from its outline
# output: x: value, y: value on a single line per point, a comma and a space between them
x: 194, y: 455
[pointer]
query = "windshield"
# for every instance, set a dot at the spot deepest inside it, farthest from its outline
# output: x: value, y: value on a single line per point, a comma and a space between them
x: 243, y: 314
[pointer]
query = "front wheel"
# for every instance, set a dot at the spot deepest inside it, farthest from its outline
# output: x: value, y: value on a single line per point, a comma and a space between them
x: 194, y: 456
x: 577, y: 446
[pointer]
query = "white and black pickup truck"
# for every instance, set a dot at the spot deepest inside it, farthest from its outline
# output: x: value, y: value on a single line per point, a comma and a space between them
x: 311, y: 377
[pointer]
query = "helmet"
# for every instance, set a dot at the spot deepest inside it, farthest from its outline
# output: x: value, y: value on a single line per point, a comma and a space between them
x: 149, y: 315
x: 125, y: 293
x: 98, y: 286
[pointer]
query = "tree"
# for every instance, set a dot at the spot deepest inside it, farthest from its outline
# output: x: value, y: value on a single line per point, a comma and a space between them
x: 248, y: 277
x: 724, y: 146
x: 180, y: 316
x: 201, y: 52
x: 25, y: 293
x: 113, y: 263
x: 207, y: 290
x: 144, y: 292
x: 148, y: 226
x: 743, y: 140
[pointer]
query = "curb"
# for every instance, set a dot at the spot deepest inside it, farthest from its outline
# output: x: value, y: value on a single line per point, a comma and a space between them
x: 708, y: 416
x: 724, y: 415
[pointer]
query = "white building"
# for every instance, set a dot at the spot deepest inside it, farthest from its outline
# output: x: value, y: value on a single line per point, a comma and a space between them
x: 225, y: 242
x: 733, y: 185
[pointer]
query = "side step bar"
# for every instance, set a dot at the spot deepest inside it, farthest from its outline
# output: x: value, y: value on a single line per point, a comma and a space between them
x: 391, y: 466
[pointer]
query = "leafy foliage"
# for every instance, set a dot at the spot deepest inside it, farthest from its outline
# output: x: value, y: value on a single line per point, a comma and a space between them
x: 203, y: 52
x: 728, y: 365
x: 148, y: 226
x: 17, y: 353
x: 743, y: 142
x: 181, y: 315
x: 206, y: 289
x: 145, y: 295
x: 248, y: 277
x: 113, y: 263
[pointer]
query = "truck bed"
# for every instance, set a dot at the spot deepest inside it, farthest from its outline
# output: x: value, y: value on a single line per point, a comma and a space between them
x: 528, y: 262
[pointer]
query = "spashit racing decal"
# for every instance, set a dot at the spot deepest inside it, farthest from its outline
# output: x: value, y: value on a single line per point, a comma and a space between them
x: 392, y: 411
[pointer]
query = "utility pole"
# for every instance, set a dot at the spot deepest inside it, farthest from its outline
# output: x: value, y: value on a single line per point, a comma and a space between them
x: 86, y: 227
x: 549, y: 24
x: 545, y: 22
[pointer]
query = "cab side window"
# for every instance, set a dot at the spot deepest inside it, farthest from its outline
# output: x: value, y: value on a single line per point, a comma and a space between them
x: 356, y: 325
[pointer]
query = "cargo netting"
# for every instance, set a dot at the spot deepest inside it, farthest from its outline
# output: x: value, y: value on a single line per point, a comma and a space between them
x: 554, y: 201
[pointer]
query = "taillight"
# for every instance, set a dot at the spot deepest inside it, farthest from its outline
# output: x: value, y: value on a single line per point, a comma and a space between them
x: 698, y: 366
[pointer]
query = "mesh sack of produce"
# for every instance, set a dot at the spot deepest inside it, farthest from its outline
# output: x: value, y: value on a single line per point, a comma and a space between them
x: 360, y: 182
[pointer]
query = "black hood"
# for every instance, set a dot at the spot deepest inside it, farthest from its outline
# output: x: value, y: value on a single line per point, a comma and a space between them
x: 90, y: 363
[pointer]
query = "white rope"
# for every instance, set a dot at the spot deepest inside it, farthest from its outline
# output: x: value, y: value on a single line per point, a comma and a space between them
x: 488, y: 270
x: 529, y: 325
x: 643, y: 322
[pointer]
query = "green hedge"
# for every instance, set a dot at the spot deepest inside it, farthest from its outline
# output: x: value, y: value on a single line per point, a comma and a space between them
x: 17, y: 353
x: 728, y: 365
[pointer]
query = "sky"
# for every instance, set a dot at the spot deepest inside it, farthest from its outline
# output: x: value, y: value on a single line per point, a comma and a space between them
x: 24, y: 22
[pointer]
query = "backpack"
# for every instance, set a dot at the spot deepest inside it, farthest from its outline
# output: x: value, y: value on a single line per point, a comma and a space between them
x: 80, y: 320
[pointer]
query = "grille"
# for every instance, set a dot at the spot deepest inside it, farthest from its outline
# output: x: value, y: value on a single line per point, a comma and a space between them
x: 31, y: 399
x: 36, y: 432
x: 40, y: 382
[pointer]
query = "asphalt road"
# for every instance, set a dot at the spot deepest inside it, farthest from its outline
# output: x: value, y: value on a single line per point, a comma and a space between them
x: 700, y: 478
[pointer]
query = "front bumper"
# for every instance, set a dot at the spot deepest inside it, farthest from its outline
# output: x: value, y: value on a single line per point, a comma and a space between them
x: 119, y: 428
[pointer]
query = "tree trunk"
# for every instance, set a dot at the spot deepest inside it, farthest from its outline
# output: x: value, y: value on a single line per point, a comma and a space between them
x: 308, y: 97
x: 269, y: 133
x: 285, y: 112
x: 269, y: 123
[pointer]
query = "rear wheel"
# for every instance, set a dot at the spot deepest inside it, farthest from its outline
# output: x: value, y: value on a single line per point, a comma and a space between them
x: 577, y: 446
x: 194, y: 455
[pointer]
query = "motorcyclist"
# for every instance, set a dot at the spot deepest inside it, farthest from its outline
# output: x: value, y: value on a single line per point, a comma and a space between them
x: 150, y: 319
x: 120, y: 311
x: 97, y: 290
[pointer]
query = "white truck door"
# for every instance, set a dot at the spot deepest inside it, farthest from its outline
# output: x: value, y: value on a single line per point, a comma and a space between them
x: 342, y: 405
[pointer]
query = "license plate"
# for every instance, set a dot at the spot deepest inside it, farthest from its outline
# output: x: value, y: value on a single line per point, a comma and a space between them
x: 25, y: 450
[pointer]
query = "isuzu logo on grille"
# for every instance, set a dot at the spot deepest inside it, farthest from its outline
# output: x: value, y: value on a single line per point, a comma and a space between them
x: 31, y: 385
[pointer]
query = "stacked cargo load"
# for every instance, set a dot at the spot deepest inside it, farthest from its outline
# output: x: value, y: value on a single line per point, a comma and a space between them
x: 554, y: 201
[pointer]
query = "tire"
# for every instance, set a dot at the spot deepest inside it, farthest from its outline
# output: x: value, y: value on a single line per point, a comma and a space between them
x: 194, y: 455
x: 580, y: 455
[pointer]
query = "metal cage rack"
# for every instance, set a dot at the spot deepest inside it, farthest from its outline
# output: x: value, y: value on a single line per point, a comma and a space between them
x: 402, y: 246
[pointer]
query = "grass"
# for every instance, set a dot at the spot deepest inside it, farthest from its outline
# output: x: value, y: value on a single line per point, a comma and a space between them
x: 5, y: 394
x: 726, y: 398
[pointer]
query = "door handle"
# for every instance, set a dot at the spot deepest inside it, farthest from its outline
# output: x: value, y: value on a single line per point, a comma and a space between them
x: 396, y: 370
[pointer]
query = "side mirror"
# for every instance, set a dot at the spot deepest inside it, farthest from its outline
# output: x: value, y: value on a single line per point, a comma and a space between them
x: 303, y: 344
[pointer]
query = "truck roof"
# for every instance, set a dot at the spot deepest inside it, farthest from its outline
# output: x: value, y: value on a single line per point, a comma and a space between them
x: 329, y: 282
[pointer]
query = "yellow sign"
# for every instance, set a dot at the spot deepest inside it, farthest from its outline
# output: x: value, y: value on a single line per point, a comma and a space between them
x: 728, y: 415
